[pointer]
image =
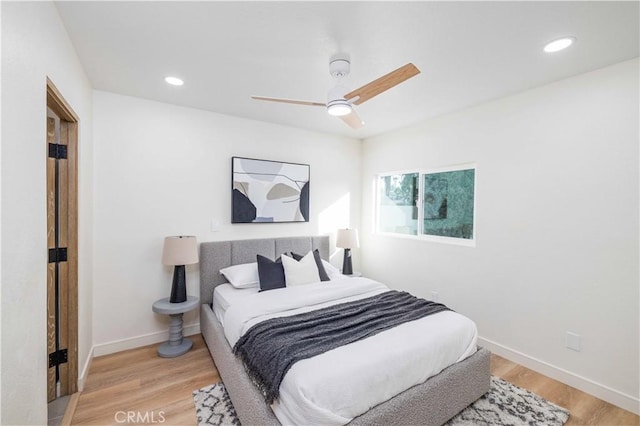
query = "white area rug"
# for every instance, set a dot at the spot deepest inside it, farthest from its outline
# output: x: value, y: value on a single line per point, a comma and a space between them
x: 214, y: 407
x: 505, y: 404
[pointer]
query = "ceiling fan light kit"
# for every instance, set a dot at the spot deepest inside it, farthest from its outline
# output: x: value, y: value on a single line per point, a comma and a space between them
x: 339, y: 108
x: 339, y: 103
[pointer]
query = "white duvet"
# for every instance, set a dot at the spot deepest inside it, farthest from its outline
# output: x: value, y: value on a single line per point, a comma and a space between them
x: 334, y: 387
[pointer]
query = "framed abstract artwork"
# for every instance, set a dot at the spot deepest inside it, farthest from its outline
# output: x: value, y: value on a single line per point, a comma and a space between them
x: 265, y: 191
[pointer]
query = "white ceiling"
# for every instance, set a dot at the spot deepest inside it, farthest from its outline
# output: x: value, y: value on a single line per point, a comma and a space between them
x: 468, y: 52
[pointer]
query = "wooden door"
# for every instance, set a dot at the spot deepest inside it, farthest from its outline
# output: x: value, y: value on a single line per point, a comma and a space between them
x: 62, y: 276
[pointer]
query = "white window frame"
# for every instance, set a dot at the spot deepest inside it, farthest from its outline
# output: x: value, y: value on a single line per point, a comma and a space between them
x: 377, y: 203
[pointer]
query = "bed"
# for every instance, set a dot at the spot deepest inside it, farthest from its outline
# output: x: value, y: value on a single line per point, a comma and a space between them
x: 431, y: 402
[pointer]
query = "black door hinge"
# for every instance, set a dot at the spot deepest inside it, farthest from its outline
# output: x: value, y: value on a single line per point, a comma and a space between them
x: 57, y: 358
x: 57, y: 151
x: 58, y: 255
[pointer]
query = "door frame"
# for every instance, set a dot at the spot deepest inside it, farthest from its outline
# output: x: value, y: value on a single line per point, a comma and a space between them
x: 69, y: 131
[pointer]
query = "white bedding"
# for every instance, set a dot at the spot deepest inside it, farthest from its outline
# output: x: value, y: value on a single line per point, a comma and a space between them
x: 335, y: 387
x: 224, y: 295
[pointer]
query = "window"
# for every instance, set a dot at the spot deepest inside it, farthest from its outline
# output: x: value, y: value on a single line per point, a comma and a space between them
x: 398, y: 203
x: 447, y: 200
x: 434, y: 205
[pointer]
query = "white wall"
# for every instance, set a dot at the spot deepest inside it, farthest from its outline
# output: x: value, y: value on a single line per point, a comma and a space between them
x: 165, y: 170
x: 35, y: 45
x: 557, y: 226
x: 0, y: 228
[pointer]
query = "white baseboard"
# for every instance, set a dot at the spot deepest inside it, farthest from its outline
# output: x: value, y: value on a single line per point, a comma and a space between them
x: 85, y: 371
x: 598, y: 390
x: 139, y: 341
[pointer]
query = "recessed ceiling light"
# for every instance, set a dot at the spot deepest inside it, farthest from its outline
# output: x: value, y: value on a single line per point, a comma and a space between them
x: 175, y: 81
x: 559, y: 44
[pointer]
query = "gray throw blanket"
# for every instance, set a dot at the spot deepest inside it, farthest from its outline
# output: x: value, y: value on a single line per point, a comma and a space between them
x: 270, y: 348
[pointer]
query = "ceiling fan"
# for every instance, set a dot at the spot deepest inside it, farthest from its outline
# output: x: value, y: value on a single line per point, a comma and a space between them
x: 340, y: 100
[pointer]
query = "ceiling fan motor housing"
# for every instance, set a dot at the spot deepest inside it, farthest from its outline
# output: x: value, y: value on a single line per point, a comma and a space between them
x: 339, y: 67
x: 336, y: 103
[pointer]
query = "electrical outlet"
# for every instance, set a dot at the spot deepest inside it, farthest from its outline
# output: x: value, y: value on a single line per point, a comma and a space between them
x: 434, y: 296
x: 573, y: 341
x: 215, y: 225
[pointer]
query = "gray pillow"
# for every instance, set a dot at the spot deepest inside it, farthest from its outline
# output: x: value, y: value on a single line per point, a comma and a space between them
x: 271, y: 273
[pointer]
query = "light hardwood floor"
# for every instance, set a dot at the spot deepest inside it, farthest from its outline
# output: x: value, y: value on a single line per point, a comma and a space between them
x: 584, y: 408
x: 138, y: 383
x: 157, y: 390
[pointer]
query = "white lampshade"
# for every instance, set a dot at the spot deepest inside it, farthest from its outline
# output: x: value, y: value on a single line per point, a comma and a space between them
x: 347, y: 238
x: 180, y: 250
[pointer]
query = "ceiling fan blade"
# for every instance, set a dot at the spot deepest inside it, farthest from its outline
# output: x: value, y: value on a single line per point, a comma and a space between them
x: 352, y: 120
x: 289, y: 101
x: 383, y: 83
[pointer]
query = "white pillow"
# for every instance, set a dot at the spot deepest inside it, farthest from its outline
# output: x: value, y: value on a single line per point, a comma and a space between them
x: 300, y: 272
x: 244, y: 275
x: 333, y: 272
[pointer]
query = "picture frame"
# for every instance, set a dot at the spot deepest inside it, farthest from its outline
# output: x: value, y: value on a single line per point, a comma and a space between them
x: 268, y: 191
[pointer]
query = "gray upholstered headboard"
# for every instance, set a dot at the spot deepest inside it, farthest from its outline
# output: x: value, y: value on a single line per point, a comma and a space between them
x: 220, y: 254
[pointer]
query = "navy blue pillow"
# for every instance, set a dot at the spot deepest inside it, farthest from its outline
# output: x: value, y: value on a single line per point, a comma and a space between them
x: 271, y: 273
x: 316, y: 256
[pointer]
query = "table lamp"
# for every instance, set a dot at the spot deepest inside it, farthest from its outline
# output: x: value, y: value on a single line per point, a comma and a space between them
x: 347, y: 239
x: 179, y: 251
